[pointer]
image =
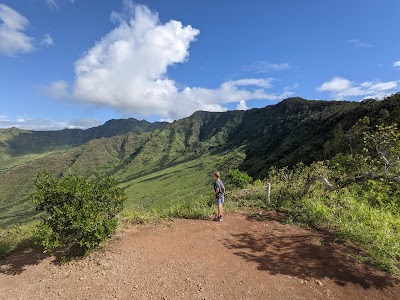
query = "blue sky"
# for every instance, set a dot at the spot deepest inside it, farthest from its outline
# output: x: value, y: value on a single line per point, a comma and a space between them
x: 78, y: 63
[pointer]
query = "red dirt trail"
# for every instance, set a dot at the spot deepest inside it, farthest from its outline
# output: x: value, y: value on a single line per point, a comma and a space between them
x: 243, y: 257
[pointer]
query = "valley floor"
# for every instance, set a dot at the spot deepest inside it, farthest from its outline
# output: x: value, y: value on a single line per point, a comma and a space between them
x: 243, y: 257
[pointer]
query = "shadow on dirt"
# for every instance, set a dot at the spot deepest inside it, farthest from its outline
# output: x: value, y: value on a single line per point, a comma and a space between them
x: 306, y: 254
x: 18, y: 262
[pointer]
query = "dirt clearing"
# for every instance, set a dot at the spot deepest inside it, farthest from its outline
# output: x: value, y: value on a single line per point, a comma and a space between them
x: 243, y: 257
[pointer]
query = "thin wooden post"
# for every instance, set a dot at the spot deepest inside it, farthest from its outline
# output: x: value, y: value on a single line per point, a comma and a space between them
x: 268, y: 193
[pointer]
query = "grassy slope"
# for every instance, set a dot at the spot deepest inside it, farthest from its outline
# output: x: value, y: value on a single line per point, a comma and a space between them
x: 7, y: 160
x: 179, y: 183
x: 94, y: 159
x: 182, y: 183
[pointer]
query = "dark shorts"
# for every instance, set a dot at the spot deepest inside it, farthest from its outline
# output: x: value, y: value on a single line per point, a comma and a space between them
x: 219, y: 200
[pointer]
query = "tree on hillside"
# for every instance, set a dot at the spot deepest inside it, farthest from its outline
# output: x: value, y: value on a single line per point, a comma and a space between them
x: 385, y: 142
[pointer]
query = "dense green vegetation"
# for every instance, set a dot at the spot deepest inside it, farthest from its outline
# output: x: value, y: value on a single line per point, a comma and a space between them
x: 237, y: 178
x: 80, y: 213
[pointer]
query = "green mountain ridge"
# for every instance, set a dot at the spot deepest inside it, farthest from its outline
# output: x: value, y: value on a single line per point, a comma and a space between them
x: 163, y: 157
x: 28, y: 141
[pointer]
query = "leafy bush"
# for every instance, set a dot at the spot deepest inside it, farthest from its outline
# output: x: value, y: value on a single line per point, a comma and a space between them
x: 383, y: 195
x: 79, y: 213
x: 258, y: 182
x: 238, y: 178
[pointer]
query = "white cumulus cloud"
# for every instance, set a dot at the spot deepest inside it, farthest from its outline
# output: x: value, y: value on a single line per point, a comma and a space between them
x: 242, y: 105
x: 342, y: 88
x: 13, y: 38
x: 336, y: 84
x: 397, y: 64
x: 127, y: 70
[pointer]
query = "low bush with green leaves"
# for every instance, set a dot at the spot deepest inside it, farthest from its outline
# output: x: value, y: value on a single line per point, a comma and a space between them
x: 238, y: 179
x: 79, y: 213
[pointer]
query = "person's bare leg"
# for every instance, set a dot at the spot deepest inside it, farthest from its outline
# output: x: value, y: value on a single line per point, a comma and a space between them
x: 219, y: 210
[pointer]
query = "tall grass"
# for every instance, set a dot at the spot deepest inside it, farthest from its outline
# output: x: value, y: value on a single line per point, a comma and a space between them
x: 376, y: 230
x: 198, y: 208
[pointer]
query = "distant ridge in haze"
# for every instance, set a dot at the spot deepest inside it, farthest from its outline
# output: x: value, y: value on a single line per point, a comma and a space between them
x: 44, y: 141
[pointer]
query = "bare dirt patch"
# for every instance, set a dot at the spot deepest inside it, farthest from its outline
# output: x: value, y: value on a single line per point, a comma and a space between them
x: 242, y: 257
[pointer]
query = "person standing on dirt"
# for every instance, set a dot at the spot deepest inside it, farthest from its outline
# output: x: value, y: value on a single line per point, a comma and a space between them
x: 219, y: 191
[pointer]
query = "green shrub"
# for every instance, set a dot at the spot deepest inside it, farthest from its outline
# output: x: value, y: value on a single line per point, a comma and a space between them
x: 384, y: 195
x: 238, y: 178
x: 79, y: 213
x: 258, y: 182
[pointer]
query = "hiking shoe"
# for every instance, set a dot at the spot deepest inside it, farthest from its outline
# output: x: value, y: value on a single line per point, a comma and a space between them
x: 218, y: 219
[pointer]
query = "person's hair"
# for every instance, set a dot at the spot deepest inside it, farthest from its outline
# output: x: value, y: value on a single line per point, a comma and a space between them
x: 217, y: 174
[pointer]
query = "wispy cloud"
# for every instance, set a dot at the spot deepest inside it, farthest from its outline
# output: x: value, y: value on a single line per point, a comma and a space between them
x: 342, y: 88
x: 46, y: 124
x: 128, y: 71
x: 47, y: 40
x: 358, y: 43
x: 265, y: 67
x: 56, y: 89
x: 13, y: 38
x: 397, y: 64
x: 53, y: 4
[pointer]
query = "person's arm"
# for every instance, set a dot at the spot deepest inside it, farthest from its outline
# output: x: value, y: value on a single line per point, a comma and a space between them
x: 216, y: 189
x: 216, y: 192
